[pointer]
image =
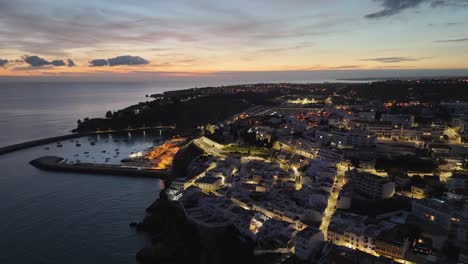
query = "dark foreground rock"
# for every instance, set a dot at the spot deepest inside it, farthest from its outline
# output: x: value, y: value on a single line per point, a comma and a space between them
x: 177, y: 240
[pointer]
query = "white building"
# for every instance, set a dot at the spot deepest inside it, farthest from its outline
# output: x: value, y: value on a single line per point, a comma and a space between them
x: 329, y: 154
x: 383, y: 129
x: 370, y: 185
x: 349, y: 230
x: 406, y: 121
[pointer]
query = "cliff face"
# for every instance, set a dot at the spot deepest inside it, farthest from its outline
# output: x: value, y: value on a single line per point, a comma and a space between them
x: 177, y: 240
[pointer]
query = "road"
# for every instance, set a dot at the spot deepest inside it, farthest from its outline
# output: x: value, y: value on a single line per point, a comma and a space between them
x: 330, y: 210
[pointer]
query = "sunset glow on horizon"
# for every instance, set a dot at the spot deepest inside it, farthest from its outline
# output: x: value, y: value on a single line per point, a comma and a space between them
x: 204, y: 38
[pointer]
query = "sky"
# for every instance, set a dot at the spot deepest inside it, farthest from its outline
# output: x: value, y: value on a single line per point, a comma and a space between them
x: 92, y: 39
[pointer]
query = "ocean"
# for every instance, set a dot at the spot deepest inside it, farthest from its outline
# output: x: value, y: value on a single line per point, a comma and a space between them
x: 53, y: 217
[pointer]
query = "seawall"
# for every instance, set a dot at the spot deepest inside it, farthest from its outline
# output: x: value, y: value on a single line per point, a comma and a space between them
x: 53, y: 163
x: 34, y: 143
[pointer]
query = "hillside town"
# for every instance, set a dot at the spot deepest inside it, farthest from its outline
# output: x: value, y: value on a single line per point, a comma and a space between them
x: 336, y: 178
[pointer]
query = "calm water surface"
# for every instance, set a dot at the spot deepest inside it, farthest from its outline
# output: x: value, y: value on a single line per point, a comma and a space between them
x: 32, y: 111
x: 50, y: 217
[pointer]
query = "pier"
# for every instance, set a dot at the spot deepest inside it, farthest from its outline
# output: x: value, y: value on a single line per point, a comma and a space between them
x: 54, y: 163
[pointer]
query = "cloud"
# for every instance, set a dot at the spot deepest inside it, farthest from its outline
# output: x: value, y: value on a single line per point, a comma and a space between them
x: 393, y: 7
x: 393, y: 59
x: 127, y: 60
x: 98, y: 63
x: 3, y: 62
x: 55, y: 30
x: 452, y: 40
x: 346, y: 67
x: 36, y: 61
x: 57, y: 63
x: 70, y: 63
x: 119, y: 60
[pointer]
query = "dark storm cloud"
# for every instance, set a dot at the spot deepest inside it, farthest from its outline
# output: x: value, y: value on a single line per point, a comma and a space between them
x: 393, y: 59
x: 452, y: 40
x: 127, y: 60
x: 70, y: 63
x: 3, y: 62
x: 393, y: 7
x: 98, y: 63
x: 57, y: 63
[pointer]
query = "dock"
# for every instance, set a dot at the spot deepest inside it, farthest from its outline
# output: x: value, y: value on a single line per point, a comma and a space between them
x: 54, y: 163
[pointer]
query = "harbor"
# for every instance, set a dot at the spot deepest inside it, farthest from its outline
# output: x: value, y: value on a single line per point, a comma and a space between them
x: 154, y: 161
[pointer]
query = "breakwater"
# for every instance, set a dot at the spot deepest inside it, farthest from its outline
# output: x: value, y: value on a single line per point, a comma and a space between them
x: 53, y: 163
x: 34, y: 143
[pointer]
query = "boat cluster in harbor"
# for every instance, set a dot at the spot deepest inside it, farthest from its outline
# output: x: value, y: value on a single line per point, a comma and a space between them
x: 100, y: 150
